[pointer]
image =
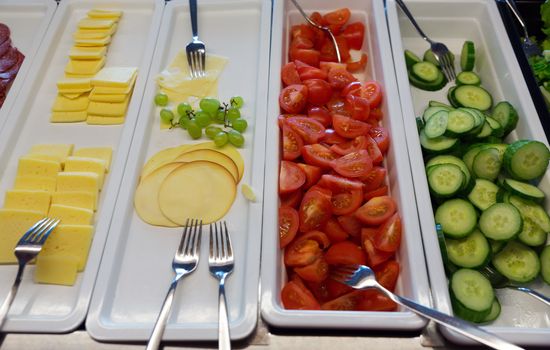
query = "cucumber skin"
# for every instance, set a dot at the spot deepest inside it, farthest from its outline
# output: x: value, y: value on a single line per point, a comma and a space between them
x: 511, y: 151
x: 493, y: 315
x: 515, y: 192
x: 468, y: 63
x: 484, y: 262
x: 545, y: 264
x: 512, y: 121
x: 510, y: 245
x: 427, y: 86
x: 411, y: 58
x: 461, y: 310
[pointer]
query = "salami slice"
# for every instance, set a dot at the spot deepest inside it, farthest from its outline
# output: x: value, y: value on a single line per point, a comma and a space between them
x: 8, y: 60
x: 12, y: 72
x: 4, y: 47
x: 4, y: 33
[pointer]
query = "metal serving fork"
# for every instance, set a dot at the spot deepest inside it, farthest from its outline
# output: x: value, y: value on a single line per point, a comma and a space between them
x: 196, y: 50
x: 27, y: 249
x: 362, y: 277
x: 221, y: 263
x: 185, y: 261
x: 529, y: 47
x: 440, y: 51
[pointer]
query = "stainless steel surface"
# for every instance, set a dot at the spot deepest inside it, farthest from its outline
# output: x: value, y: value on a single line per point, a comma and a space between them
x: 362, y: 277
x: 221, y: 262
x: 529, y: 47
x: 185, y: 261
x: 440, y: 51
x: 196, y: 50
x: 27, y: 249
x: 326, y: 29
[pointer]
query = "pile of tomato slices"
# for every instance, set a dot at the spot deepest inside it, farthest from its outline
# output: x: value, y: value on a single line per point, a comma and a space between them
x: 334, y: 203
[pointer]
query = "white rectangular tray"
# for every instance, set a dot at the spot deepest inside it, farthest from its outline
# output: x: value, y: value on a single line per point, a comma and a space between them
x: 28, y: 21
x: 136, y: 268
x: 413, y: 282
x: 49, y: 308
x: 523, y: 320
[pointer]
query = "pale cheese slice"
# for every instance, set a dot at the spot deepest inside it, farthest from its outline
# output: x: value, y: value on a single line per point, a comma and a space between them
x: 112, y: 98
x: 93, y: 42
x: 104, y: 90
x: 14, y: 224
x: 78, y: 76
x: 68, y: 117
x: 101, y: 13
x: 58, y: 150
x: 63, y: 104
x: 39, y: 183
x: 103, y: 120
x: 115, y: 77
x: 107, y: 31
x: 37, y: 167
x: 105, y: 153
x: 28, y: 200
x: 71, y: 96
x: 93, y: 165
x: 70, y: 240
x: 77, y: 181
x: 55, y: 269
x: 89, y: 23
x: 71, y: 215
x: 74, y: 85
x: 108, y: 109
x: 79, y: 199
x: 83, y: 35
x: 87, y: 53
x: 84, y: 66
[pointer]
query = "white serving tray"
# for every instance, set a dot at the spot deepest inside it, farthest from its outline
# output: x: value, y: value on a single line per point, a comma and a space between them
x: 28, y: 21
x: 136, y: 268
x: 49, y: 308
x: 413, y: 282
x: 523, y: 320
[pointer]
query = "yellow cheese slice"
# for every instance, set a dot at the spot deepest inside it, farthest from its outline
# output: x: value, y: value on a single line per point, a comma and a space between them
x: 84, y: 35
x: 28, y: 200
x: 84, y: 66
x: 40, y: 183
x: 105, y: 153
x: 74, y: 85
x: 104, y: 90
x: 79, y: 199
x: 77, y: 181
x: 93, y: 42
x: 102, y: 120
x: 68, y: 117
x: 54, y: 269
x: 113, y: 98
x: 14, y: 224
x: 58, y: 150
x: 93, y: 165
x: 71, y: 96
x: 100, y: 13
x: 70, y: 240
x: 63, y: 104
x: 103, y: 31
x: 71, y: 215
x: 78, y: 76
x: 115, y: 77
x: 161, y: 158
x: 37, y: 167
x: 108, y: 109
x: 90, y: 23
x: 87, y: 53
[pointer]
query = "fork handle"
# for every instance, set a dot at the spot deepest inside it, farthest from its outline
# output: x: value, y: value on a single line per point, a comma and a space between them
x: 463, y: 327
x: 518, y: 16
x: 224, y: 340
x: 534, y: 294
x: 11, y: 295
x: 160, y: 324
x: 193, y: 13
x: 413, y: 21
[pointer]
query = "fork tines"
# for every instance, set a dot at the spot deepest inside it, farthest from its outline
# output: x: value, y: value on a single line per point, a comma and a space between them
x: 39, y: 232
x: 190, y: 240
x: 220, y: 243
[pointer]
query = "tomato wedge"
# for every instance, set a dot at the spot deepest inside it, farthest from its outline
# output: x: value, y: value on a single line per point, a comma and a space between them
x: 346, y: 302
x: 357, y: 66
x: 376, y: 211
x: 348, y: 127
x: 319, y: 91
x: 389, y: 237
x: 332, y: 138
x: 380, y: 191
x: 304, y: 31
x: 336, y: 289
x: 321, y: 114
x: 292, y: 199
x: 381, y: 136
x: 373, y: 300
x: 374, y: 152
x: 339, y: 78
x: 344, y: 203
x: 309, y: 56
x: 293, y: 98
x: 302, y: 253
x: 372, y: 91
x: 387, y: 274
x: 306, y: 71
x: 318, y: 155
x: 328, y: 51
x: 337, y: 18
x: 345, y: 253
x: 320, y: 237
x: 358, y: 143
x: 313, y: 174
x: 295, y: 297
x: 334, y: 231
x: 292, y: 143
x: 350, y: 224
x: 315, y: 208
x: 288, y: 225
x: 354, y: 34
x: 374, y: 179
x: 374, y: 256
x: 354, y: 164
x: 360, y: 107
x: 309, y: 129
x: 289, y: 74
x: 339, y: 183
x: 314, y: 272
x: 291, y: 177
x: 301, y: 42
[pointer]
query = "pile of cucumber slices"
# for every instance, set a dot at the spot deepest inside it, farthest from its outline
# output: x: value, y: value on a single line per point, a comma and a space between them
x: 487, y: 204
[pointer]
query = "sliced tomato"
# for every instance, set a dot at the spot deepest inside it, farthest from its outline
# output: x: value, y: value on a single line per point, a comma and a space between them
x: 315, y: 208
x: 374, y: 256
x: 372, y: 91
x: 338, y: 105
x: 339, y: 78
x: 293, y: 98
x: 309, y: 129
x: 301, y: 42
x: 313, y: 174
x: 374, y: 179
x: 336, y: 289
x: 358, y: 143
x: 292, y: 199
x: 295, y: 297
x: 321, y: 114
x: 288, y: 225
x: 292, y: 144
x: 314, y: 272
x: 332, y: 138
x: 291, y: 177
x: 318, y: 155
x: 387, y: 274
x: 309, y: 56
x: 328, y: 51
x: 376, y: 211
x: 319, y: 91
x: 344, y: 203
x: 376, y: 114
x: 345, y: 253
x: 350, y: 224
x: 302, y: 253
x: 337, y: 19
x: 381, y: 136
x: 320, y: 237
x: 307, y: 71
x: 359, y: 106
x: 373, y: 300
x: 380, y: 191
x: 348, y: 127
x: 351, y: 88
x: 289, y: 74
x: 374, y: 152
x: 302, y: 30
x: 357, y: 66
x: 354, y: 164
x: 346, y: 302
x: 334, y: 231
x: 319, y: 290
x: 354, y: 34
x: 327, y: 66
x: 337, y: 183
x: 318, y: 18
x: 293, y: 276
x: 389, y: 238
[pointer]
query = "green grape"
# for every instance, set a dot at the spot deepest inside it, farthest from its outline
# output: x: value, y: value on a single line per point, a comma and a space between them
x: 211, y: 131
x: 161, y: 99
x: 194, y: 130
x: 166, y: 115
x: 183, y: 121
x: 233, y: 114
x: 220, y: 116
x: 202, y: 118
x: 235, y: 138
x: 237, y: 101
x: 184, y: 108
x: 209, y: 105
x: 239, y: 124
x: 221, y: 139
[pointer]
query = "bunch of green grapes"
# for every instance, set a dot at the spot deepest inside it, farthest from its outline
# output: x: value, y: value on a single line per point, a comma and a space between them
x: 221, y: 122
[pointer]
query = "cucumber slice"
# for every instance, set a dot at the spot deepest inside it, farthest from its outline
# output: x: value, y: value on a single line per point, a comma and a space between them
x: 517, y: 262
x: 545, y: 264
x: 450, y: 97
x: 450, y: 268
x: 500, y: 222
x: 495, y: 311
x: 445, y: 180
x: 460, y: 122
x: 425, y: 71
x: 448, y: 159
x: 471, y: 295
x: 437, y: 124
x: 497, y: 129
x: 485, y: 131
x: 439, y: 104
x: 430, y: 111
x: 430, y: 57
x: 470, y: 155
x: 496, y: 246
x: 523, y: 189
x: 457, y: 217
x: 531, y: 234
x: 472, y: 251
x: 468, y: 78
x: 411, y: 58
x: 431, y: 86
x: 472, y: 96
x: 506, y: 115
x: 487, y: 164
x: 526, y: 159
x: 438, y: 144
x: 484, y: 194
x: 467, y: 56
x: 531, y: 210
